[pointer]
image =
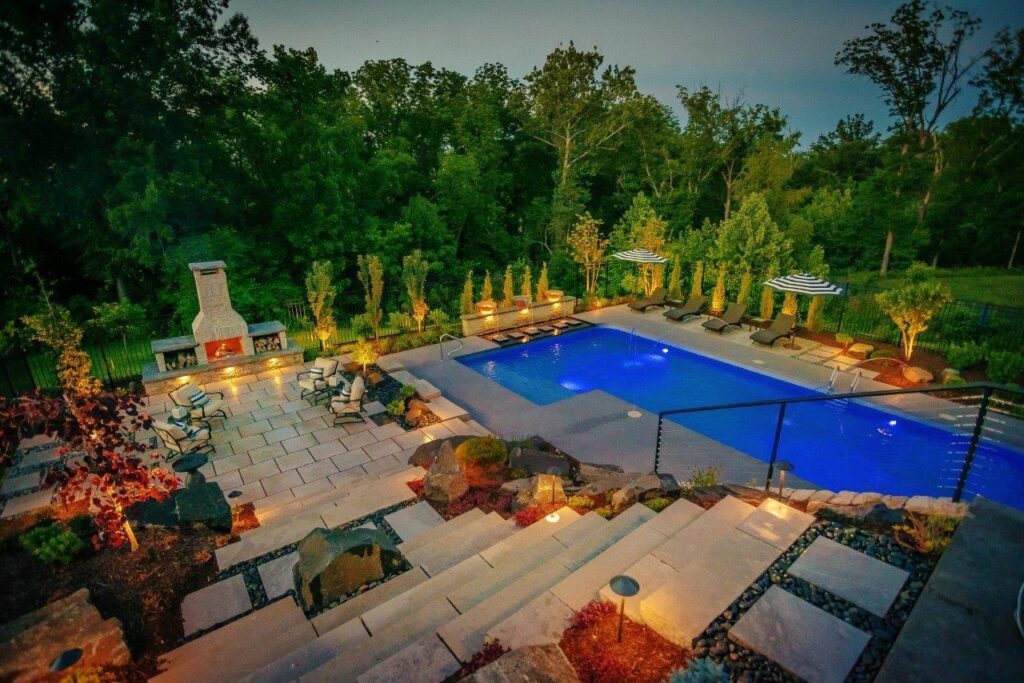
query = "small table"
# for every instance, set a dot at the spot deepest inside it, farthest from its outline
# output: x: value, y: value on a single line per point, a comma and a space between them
x: 189, y: 465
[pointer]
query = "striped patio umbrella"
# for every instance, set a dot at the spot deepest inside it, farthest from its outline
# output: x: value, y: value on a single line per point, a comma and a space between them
x: 647, y: 261
x: 803, y: 283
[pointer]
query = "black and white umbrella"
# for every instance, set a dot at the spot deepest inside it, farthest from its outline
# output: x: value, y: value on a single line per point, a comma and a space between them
x: 646, y: 259
x: 803, y: 283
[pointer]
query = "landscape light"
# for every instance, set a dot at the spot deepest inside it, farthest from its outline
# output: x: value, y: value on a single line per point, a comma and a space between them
x: 892, y: 423
x: 625, y: 587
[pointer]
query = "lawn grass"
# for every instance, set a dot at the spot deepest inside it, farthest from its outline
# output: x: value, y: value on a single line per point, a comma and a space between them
x: 987, y: 285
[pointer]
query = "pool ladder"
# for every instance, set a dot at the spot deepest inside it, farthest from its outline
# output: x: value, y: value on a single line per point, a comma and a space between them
x: 440, y: 344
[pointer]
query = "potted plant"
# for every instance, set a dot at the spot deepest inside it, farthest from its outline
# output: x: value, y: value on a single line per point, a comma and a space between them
x: 554, y: 296
x: 487, y: 307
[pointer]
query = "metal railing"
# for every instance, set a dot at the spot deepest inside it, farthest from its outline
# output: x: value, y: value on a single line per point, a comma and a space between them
x: 440, y: 345
x: 987, y: 403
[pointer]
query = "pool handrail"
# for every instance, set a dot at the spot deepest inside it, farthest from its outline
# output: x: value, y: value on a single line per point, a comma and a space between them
x: 986, y: 388
x: 440, y: 343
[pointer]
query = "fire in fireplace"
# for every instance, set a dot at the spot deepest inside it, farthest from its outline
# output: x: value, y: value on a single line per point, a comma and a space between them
x: 224, y: 348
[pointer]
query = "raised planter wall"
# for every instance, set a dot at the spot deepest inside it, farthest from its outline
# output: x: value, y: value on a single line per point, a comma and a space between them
x: 506, y: 318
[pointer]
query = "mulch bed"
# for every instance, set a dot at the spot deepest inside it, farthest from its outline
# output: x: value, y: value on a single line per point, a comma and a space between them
x: 143, y: 590
x: 643, y: 656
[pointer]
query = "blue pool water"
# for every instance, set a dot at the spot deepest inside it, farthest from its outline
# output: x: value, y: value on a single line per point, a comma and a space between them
x: 837, y: 445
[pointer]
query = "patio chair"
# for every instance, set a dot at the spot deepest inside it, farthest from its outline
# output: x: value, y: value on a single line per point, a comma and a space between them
x: 781, y: 327
x: 315, y: 382
x: 657, y: 298
x: 691, y: 309
x: 184, y: 440
x: 349, y: 409
x: 732, y: 317
x: 201, y: 405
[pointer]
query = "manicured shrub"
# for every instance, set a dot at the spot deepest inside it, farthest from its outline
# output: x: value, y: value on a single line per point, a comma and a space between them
x: 407, y: 391
x: 883, y: 353
x: 954, y: 381
x: 483, y: 450
x: 592, y: 613
x: 83, y: 526
x: 927, y: 534
x: 529, y: 515
x: 52, y: 543
x: 702, y: 670
x: 396, y: 408
x: 605, y: 512
x: 658, y: 504
x: 966, y: 355
x: 417, y: 486
x: 1005, y: 367
x: 844, y: 339
x: 580, y: 502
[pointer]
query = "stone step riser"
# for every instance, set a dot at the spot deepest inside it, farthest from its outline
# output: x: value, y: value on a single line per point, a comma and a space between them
x: 440, y: 534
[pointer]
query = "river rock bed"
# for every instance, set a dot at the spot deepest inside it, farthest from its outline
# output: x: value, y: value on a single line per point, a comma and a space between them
x: 747, y: 665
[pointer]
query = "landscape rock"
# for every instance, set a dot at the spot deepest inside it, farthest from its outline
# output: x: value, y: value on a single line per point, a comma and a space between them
x: 860, y: 350
x: 31, y: 642
x: 875, y: 514
x: 536, y: 461
x: 912, y: 373
x: 415, y: 410
x: 637, y: 490
x: 203, y: 504
x: 536, y: 664
x: 610, y: 482
x: 334, y: 563
x: 949, y: 375
x: 425, y: 454
x: 517, y: 485
x: 590, y: 472
x: 539, y: 492
x: 446, y: 480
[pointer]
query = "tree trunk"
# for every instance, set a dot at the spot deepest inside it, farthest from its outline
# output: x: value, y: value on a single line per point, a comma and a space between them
x: 888, y: 251
x: 1013, y: 252
x: 122, y: 289
x: 728, y: 189
x: 718, y: 296
x: 132, y: 541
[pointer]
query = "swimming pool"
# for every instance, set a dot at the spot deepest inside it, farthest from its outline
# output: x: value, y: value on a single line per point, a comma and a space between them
x: 838, y: 445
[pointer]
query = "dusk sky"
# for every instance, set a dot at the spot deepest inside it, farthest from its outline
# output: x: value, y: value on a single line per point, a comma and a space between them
x: 779, y: 53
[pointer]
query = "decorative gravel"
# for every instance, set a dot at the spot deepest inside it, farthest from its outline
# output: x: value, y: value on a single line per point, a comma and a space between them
x: 747, y: 665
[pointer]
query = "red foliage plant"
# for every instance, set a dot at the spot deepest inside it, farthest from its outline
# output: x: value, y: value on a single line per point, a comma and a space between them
x: 486, y: 499
x: 592, y: 613
x: 490, y: 652
x: 100, y: 459
x: 417, y: 485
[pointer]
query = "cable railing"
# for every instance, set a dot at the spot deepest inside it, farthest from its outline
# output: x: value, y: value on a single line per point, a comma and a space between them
x: 999, y: 410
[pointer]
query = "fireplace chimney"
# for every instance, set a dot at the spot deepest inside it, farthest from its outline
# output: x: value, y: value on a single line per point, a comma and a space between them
x: 218, y: 329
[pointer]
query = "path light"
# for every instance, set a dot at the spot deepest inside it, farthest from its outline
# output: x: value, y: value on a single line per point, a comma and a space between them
x: 553, y: 515
x: 783, y: 466
x: 66, y: 660
x: 625, y: 587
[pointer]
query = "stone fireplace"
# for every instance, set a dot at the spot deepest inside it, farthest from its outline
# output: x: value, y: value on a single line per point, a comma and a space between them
x: 222, y: 344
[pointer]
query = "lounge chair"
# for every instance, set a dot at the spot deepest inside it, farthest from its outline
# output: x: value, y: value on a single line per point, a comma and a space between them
x: 349, y: 409
x: 781, y: 327
x: 657, y: 298
x: 691, y: 309
x: 183, y: 440
x: 731, y: 318
x: 201, y: 405
x: 316, y: 382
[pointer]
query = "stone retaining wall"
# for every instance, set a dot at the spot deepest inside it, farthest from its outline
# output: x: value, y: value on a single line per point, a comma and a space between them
x: 928, y: 505
x: 505, y: 318
x: 156, y: 382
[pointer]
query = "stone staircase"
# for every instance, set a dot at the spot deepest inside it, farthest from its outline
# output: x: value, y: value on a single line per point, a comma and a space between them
x: 478, y: 577
x: 329, y: 509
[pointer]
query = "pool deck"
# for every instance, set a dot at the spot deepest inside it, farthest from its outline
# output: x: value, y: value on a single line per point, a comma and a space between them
x: 594, y: 427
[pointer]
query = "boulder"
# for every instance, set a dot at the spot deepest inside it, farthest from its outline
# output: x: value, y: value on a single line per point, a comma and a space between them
x: 446, y: 480
x: 949, y: 375
x: 33, y: 641
x: 637, y: 490
x: 536, y: 664
x: 536, y: 461
x: 544, y: 489
x: 425, y: 454
x: 860, y: 350
x: 590, y: 472
x: 334, y: 563
x: 610, y: 482
x: 517, y: 485
x: 912, y: 373
x: 868, y: 514
x: 415, y: 410
x: 203, y: 504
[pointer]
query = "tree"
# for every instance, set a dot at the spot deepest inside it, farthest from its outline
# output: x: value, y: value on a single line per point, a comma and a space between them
x: 55, y: 328
x: 816, y: 266
x: 587, y: 248
x: 121, y: 317
x: 572, y: 106
x: 527, y: 286
x: 767, y: 307
x: 414, y: 272
x: 101, y: 461
x: 675, y: 279
x: 916, y: 61
x: 542, y: 283
x: 508, y: 288
x: 757, y: 240
x: 364, y: 353
x: 642, y: 228
x: 320, y: 293
x: 466, y: 300
x: 371, y: 276
x: 912, y: 304
x: 487, y: 290
x: 1001, y: 83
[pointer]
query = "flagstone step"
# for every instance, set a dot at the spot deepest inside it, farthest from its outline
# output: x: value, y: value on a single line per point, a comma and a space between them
x: 378, y: 595
x: 426, y: 660
x: 726, y: 514
x: 310, y: 655
x: 502, y: 551
x: 445, y: 409
x: 366, y: 501
x: 437, y: 557
x: 214, y: 604
x: 414, y: 520
x: 442, y: 533
x: 352, y: 662
x: 243, y: 646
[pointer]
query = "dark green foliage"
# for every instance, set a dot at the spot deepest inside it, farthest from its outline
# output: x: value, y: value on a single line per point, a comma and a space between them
x: 658, y: 504
x: 396, y: 408
x: 407, y: 391
x: 966, y: 355
x: 883, y: 353
x: 52, y: 543
x: 1005, y: 367
x: 82, y: 526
